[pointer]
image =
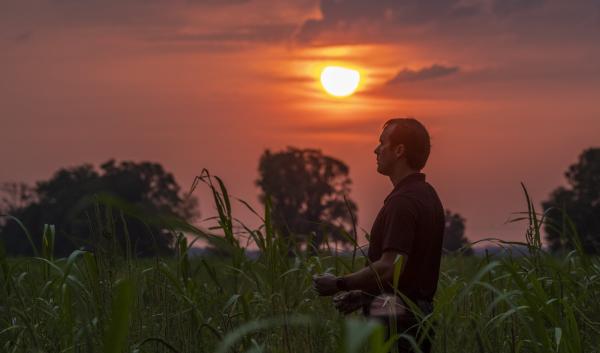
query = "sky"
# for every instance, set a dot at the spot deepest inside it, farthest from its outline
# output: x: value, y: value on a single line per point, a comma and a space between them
x: 508, y: 89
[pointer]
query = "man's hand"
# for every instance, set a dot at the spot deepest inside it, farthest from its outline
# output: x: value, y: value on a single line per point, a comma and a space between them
x: 347, y: 302
x: 325, y: 284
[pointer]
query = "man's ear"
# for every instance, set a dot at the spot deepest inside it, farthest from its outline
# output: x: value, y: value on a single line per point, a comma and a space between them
x: 399, y: 150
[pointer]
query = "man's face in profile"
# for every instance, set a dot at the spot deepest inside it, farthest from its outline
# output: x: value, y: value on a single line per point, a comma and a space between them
x: 385, y: 152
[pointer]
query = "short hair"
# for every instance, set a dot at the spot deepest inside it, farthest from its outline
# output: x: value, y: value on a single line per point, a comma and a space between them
x: 415, y: 138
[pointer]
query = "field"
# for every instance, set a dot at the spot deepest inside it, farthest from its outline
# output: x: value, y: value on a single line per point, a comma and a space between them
x: 111, y: 302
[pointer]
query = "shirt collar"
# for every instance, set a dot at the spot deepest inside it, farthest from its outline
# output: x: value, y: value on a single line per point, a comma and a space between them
x: 411, y: 178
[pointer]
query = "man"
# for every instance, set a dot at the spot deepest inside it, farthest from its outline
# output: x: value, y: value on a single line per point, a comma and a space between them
x: 406, y: 238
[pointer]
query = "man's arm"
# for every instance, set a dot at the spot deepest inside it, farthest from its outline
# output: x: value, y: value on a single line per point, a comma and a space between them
x: 382, y: 271
x: 367, y: 279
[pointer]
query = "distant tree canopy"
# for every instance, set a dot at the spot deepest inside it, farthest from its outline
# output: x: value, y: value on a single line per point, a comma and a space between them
x: 454, y: 234
x: 581, y: 202
x: 14, y: 196
x: 307, y: 191
x: 61, y: 201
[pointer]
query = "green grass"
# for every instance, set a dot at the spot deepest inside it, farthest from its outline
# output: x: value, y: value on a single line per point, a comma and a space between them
x: 111, y: 302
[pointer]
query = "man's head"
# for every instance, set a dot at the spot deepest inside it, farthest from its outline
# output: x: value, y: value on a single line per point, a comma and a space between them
x: 404, y: 143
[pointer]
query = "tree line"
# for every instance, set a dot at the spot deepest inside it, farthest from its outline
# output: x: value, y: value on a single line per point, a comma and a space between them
x: 308, y: 192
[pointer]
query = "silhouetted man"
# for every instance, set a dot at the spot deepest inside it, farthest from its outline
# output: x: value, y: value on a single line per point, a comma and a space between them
x: 406, y: 238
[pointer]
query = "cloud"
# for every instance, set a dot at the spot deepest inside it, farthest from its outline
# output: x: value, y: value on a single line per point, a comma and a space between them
x: 342, y: 14
x: 354, y: 128
x: 167, y: 25
x: 218, y: 2
x: 340, y: 22
x: 102, y: 13
x: 427, y: 73
x: 23, y: 37
x: 199, y: 23
x: 508, y: 7
x: 401, y: 20
x: 270, y: 33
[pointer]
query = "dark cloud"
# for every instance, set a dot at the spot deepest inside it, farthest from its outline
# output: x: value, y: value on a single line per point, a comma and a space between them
x: 395, y: 20
x: 341, y: 21
x: 23, y: 37
x: 342, y: 14
x: 44, y: 14
x: 359, y: 126
x: 218, y: 2
x: 427, y: 73
x: 95, y: 13
x: 508, y: 7
x: 257, y: 33
x: 159, y: 21
x: 496, y: 82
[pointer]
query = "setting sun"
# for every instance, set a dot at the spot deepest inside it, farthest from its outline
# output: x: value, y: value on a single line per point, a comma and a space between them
x: 339, y: 81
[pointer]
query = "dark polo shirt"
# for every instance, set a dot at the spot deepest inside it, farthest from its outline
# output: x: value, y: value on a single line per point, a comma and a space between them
x: 411, y: 222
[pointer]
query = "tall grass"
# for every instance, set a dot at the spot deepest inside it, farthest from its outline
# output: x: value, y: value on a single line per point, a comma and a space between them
x: 109, y: 301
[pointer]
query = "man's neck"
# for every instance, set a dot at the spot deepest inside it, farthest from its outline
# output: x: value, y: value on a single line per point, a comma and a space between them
x: 400, y: 174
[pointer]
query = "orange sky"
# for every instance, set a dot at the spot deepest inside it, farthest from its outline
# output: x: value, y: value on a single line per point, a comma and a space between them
x: 508, y: 89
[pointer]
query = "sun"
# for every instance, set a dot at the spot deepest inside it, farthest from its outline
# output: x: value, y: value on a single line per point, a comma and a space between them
x: 339, y: 81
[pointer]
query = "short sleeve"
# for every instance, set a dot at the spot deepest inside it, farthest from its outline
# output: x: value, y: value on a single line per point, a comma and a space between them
x: 400, y: 226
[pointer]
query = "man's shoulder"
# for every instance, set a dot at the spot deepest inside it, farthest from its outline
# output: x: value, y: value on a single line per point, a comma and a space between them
x: 419, y: 195
x: 411, y: 192
x: 401, y: 201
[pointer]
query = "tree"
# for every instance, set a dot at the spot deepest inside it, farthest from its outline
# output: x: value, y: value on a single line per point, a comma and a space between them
x: 580, y: 201
x: 307, y: 191
x: 14, y: 196
x: 454, y: 234
x: 66, y: 200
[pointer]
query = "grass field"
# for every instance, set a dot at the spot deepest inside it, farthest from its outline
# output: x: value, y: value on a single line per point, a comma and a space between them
x: 111, y: 302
